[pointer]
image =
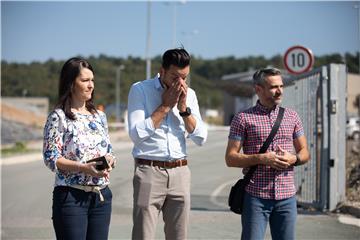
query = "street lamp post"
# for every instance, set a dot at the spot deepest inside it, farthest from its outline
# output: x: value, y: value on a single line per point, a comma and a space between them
x: 174, y: 26
x: 188, y: 36
x: 117, y: 91
x: 148, y: 42
x: 174, y: 17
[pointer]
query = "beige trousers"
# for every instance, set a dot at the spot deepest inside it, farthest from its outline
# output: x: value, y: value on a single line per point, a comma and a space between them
x: 159, y: 189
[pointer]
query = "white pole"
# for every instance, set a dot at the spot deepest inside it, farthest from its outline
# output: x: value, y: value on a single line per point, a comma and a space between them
x: 148, y: 42
x: 188, y: 37
x: 117, y: 91
x: 174, y: 25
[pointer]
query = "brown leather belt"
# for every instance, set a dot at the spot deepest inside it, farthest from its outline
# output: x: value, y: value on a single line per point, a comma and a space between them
x: 163, y: 164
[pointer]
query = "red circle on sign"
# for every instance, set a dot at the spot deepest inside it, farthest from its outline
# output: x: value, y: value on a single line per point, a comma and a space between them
x: 304, y: 49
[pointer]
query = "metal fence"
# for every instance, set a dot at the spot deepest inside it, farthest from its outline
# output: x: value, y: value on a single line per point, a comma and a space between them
x: 319, y: 97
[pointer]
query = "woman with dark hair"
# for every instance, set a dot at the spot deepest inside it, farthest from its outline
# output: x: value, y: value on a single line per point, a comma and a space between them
x: 75, y: 132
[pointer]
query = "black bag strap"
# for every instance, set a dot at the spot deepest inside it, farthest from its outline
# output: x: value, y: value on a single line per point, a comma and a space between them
x: 266, y: 144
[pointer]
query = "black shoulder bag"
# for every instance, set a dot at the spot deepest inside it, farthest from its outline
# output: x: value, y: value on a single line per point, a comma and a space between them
x: 237, y: 193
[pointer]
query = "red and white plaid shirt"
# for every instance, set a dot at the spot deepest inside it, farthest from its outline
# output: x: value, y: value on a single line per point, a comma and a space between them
x: 252, y: 127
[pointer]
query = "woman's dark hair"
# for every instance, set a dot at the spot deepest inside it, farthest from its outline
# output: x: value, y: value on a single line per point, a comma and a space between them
x: 178, y: 57
x: 69, y: 72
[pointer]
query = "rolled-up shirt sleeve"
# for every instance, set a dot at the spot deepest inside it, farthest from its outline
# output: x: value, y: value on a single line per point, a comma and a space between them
x: 53, y: 140
x: 238, y: 128
x: 199, y: 135
x: 298, y: 129
x: 140, y: 127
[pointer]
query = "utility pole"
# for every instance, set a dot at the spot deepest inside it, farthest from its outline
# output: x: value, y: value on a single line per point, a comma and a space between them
x: 174, y: 26
x: 188, y: 36
x: 117, y: 91
x: 174, y: 18
x: 148, y: 41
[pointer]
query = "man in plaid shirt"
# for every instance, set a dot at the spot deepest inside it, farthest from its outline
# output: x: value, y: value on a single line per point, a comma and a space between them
x: 270, y: 195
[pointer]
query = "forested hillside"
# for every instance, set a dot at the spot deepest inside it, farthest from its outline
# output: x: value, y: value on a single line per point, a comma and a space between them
x: 41, y: 79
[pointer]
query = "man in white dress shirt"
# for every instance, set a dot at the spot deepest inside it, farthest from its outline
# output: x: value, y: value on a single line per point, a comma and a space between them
x: 163, y: 111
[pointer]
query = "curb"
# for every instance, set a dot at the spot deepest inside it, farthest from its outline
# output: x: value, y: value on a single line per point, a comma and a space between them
x: 23, y: 158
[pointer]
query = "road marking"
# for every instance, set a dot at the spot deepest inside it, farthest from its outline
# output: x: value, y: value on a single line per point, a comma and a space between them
x: 218, y: 190
x: 349, y: 220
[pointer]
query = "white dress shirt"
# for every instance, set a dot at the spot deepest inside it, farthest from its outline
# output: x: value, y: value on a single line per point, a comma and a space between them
x: 168, y: 142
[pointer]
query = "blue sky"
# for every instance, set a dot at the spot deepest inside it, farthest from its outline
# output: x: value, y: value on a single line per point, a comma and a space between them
x: 38, y: 31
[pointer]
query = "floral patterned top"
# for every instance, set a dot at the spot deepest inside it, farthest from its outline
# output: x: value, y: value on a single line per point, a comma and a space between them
x: 78, y: 140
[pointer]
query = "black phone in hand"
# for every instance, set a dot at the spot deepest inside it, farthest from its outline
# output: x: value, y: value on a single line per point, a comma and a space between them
x: 101, y: 163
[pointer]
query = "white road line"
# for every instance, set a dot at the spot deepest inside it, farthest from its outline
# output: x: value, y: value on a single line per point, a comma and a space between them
x: 218, y: 190
x: 349, y: 220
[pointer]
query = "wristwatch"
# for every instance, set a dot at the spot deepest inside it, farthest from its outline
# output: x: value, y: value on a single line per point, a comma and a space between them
x: 186, y: 113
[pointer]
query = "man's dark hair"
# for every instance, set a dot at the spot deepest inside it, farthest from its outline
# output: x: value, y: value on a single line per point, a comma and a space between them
x: 260, y: 75
x: 178, y: 57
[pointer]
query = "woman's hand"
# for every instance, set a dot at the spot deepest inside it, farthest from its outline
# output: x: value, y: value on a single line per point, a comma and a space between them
x: 89, y: 169
x: 111, y: 160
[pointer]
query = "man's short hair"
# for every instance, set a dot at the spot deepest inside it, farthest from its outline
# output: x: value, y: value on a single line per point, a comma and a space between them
x: 178, y: 57
x: 260, y: 75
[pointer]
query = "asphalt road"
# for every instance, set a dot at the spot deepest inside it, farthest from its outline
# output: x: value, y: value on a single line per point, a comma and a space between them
x: 27, y: 189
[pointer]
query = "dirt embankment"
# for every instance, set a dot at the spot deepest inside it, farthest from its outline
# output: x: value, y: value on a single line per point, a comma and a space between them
x: 20, y: 116
x: 19, y: 125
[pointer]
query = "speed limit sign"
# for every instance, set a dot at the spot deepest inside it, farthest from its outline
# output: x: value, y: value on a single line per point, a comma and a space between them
x: 298, y: 59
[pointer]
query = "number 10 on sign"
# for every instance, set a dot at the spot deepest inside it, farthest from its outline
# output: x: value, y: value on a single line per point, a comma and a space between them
x: 298, y: 59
